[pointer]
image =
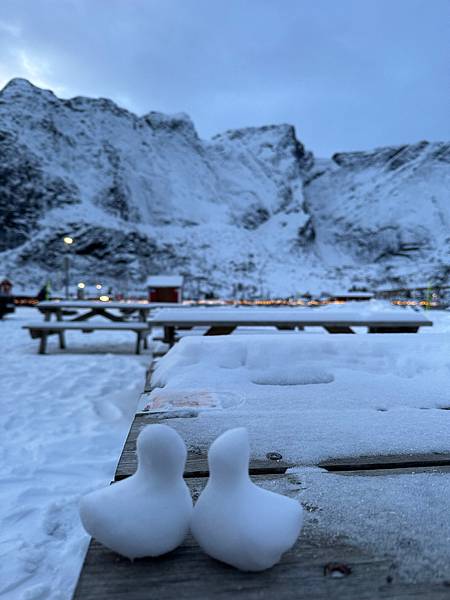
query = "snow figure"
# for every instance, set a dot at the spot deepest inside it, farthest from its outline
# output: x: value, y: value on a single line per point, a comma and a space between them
x: 236, y: 521
x: 149, y: 513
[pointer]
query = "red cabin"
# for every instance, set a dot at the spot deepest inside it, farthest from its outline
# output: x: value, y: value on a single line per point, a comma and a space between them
x: 165, y: 288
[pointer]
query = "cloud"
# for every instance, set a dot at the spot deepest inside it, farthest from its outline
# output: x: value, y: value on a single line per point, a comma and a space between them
x: 347, y: 74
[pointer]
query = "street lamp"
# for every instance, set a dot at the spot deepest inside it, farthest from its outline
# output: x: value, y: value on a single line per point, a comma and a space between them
x: 68, y: 241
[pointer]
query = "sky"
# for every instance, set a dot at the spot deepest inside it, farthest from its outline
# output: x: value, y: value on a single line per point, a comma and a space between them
x: 348, y: 74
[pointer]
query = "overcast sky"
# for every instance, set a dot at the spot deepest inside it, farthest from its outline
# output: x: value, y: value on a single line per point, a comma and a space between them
x: 349, y: 74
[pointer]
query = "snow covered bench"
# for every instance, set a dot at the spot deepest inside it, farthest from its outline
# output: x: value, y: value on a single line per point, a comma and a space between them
x: 44, y: 329
x: 225, y: 321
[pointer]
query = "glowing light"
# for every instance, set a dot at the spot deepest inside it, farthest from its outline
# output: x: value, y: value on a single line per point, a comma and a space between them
x: 98, y: 286
x: 81, y: 285
x: 104, y: 298
x: 68, y: 240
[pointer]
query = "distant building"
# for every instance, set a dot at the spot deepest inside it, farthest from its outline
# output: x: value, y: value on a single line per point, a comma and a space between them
x: 5, y: 286
x: 165, y: 288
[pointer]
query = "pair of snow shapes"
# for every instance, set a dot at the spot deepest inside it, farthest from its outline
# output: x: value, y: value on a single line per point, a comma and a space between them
x: 234, y: 520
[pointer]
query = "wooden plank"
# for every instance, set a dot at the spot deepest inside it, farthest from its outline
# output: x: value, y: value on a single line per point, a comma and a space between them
x: 316, y: 568
x: 397, y: 471
x: 188, y: 574
x: 389, y: 461
x: 197, y: 462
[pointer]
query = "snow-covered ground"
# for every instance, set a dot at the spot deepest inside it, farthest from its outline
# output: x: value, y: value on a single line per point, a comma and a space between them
x: 65, y: 416
x: 63, y: 420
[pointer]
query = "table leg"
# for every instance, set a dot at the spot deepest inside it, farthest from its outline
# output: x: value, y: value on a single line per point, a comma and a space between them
x: 338, y: 329
x: 169, y: 335
x: 43, y: 343
x: 62, y: 341
x: 220, y: 330
x: 138, y: 342
x: 393, y: 329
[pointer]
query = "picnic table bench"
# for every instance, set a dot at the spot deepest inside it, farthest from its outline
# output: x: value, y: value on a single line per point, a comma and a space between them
x: 225, y: 321
x: 44, y: 329
x: 80, y: 311
x: 315, y: 568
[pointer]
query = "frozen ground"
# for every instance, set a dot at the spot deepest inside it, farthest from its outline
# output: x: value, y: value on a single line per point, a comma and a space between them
x: 63, y: 421
x: 64, y: 418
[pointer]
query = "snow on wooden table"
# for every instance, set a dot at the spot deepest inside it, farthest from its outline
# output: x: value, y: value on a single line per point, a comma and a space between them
x: 111, y: 304
x: 377, y: 405
x: 376, y: 317
x: 315, y: 396
x: 302, y: 316
x: 317, y: 567
x: 384, y: 533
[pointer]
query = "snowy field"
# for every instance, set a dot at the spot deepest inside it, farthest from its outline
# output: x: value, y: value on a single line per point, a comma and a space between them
x: 65, y: 416
x: 63, y: 420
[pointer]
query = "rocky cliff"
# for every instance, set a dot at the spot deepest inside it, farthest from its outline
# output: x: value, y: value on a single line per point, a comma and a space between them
x: 250, y: 212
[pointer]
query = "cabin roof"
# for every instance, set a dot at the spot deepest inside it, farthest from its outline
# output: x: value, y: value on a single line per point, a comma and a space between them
x: 165, y: 281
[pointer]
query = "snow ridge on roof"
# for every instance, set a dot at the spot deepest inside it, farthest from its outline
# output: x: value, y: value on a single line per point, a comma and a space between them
x: 165, y: 281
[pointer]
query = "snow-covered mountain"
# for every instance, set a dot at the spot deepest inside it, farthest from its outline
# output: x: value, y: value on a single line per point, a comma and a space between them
x: 249, y: 212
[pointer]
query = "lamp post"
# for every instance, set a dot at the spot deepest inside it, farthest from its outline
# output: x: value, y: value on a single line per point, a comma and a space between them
x: 68, y: 241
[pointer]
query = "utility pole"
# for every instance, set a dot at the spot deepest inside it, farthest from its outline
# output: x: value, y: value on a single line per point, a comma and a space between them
x: 68, y: 241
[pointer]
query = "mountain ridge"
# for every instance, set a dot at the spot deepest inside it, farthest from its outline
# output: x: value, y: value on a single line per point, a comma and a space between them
x: 249, y: 212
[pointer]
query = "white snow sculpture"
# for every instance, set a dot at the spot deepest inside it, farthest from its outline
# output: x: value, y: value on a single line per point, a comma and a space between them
x: 236, y: 521
x: 147, y: 514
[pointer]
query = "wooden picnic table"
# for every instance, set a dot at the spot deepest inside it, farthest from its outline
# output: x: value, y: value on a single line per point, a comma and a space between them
x: 116, y: 311
x: 315, y: 568
x: 225, y: 321
x: 318, y: 567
